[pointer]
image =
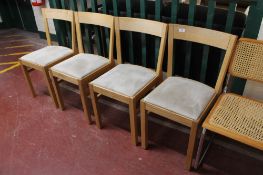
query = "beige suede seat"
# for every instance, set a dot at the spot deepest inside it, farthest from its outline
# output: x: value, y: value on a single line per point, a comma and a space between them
x: 181, y: 99
x: 50, y: 55
x: 84, y: 67
x: 47, y: 55
x: 181, y: 95
x: 128, y: 83
x: 80, y: 65
x: 126, y: 79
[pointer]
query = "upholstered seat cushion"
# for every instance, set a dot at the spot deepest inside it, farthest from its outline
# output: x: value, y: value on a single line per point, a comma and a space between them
x: 182, y: 96
x: 80, y: 65
x: 126, y: 79
x: 47, y: 55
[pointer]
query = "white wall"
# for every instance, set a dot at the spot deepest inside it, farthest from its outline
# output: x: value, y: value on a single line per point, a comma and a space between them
x: 254, y: 89
x: 39, y: 19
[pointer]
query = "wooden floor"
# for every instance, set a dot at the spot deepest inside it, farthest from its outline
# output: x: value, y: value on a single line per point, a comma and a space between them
x: 36, y: 138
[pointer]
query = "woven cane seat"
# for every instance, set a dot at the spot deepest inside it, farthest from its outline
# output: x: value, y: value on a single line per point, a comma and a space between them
x: 238, y: 118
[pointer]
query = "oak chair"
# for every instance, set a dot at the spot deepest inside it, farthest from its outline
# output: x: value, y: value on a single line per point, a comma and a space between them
x: 128, y: 83
x: 48, y: 56
x: 83, y: 67
x: 183, y: 100
x: 234, y: 116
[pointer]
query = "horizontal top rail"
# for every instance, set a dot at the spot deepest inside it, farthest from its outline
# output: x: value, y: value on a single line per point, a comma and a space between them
x: 201, y: 35
x: 141, y: 25
x: 95, y: 19
x: 59, y: 14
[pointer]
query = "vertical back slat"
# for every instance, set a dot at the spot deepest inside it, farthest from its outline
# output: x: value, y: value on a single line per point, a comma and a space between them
x: 191, y: 17
x: 129, y: 5
x: 174, y: 11
x: 209, y: 25
x: 96, y: 30
x: 87, y: 30
x: 228, y: 28
x: 174, y: 16
x: 143, y: 13
x: 115, y: 7
x: 229, y: 25
x: 73, y: 5
x: 58, y: 25
x: 158, y: 17
x: 65, y: 5
x: 105, y: 11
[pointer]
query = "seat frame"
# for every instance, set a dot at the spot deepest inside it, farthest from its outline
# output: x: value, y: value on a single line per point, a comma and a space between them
x: 199, y: 35
x: 133, y: 25
x: 90, y: 18
x: 208, y: 127
x: 27, y: 67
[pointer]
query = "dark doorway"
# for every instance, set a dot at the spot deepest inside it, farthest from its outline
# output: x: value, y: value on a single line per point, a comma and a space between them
x: 18, y: 14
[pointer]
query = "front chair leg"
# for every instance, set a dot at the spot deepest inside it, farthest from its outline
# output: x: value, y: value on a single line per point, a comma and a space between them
x: 57, y: 91
x: 28, y: 79
x: 83, y: 95
x: 144, y: 126
x: 94, y: 101
x: 191, y: 145
x: 133, y: 122
x: 50, y: 87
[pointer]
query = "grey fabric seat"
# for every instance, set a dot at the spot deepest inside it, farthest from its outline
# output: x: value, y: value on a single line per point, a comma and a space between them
x: 126, y: 79
x: 182, y: 96
x: 80, y: 65
x: 47, y: 55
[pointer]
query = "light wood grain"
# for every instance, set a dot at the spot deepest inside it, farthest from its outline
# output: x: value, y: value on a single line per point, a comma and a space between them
x: 141, y: 26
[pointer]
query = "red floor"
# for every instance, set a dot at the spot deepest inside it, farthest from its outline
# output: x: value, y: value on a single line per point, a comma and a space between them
x: 36, y: 138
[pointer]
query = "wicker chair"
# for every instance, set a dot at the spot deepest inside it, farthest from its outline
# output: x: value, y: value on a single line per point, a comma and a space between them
x: 237, y: 117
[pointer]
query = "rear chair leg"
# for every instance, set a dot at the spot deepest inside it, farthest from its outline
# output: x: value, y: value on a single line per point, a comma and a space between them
x: 144, y: 126
x: 50, y: 87
x: 57, y: 91
x: 94, y: 100
x: 28, y: 79
x: 133, y: 122
x: 83, y: 95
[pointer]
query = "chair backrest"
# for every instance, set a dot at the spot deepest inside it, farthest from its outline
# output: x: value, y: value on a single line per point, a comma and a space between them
x: 150, y: 27
x: 247, y: 62
x: 204, y: 36
x: 59, y: 14
x: 97, y: 19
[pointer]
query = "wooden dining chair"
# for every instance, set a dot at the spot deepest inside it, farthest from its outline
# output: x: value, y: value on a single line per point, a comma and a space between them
x: 50, y: 55
x: 237, y: 117
x: 83, y: 67
x: 128, y: 83
x: 184, y: 100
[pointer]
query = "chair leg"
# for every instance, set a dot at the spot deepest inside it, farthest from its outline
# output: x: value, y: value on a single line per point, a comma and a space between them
x: 200, y: 148
x: 57, y: 91
x: 133, y: 122
x: 191, y: 146
x: 50, y: 87
x: 83, y: 95
x: 144, y: 126
x: 28, y: 80
x: 94, y: 101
